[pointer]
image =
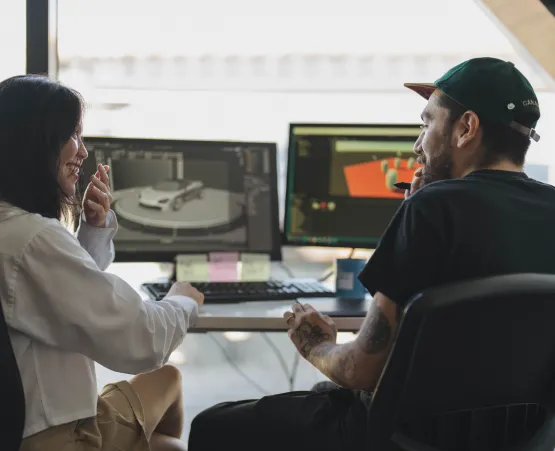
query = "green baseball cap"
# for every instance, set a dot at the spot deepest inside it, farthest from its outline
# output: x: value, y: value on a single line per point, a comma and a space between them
x: 494, y: 89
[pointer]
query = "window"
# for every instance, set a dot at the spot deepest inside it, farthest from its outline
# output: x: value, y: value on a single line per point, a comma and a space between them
x: 12, y: 31
x: 211, y: 70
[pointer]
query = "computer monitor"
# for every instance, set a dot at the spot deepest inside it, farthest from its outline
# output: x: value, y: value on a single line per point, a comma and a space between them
x: 182, y: 197
x: 340, y: 182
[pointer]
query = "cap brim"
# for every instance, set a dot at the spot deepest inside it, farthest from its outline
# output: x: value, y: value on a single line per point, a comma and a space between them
x: 423, y: 89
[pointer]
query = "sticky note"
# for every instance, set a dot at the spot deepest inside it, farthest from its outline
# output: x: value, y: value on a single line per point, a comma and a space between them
x: 255, y: 267
x: 222, y: 266
x: 192, y: 268
x: 221, y: 257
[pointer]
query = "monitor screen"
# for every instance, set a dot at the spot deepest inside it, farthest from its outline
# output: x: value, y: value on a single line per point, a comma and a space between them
x: 340, y: 181
x: 178, y: 197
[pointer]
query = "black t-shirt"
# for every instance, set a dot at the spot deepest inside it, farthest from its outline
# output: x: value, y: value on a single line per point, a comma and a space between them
x: 487, y: 223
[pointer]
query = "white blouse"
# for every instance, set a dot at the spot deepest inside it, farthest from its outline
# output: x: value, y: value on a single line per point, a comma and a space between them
x: 64, y: 312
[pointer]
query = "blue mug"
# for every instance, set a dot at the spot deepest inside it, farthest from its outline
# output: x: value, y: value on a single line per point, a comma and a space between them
x: 347, y: 285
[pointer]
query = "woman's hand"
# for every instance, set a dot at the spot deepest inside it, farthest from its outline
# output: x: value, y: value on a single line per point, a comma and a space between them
x: 97, y: 199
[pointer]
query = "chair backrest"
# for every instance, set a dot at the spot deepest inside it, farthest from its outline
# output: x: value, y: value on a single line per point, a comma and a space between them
x: 12, y: 399
x: 472, y: 367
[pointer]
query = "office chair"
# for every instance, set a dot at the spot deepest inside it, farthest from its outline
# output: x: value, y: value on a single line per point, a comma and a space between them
x: 12, y: 399
x: 472, y: 368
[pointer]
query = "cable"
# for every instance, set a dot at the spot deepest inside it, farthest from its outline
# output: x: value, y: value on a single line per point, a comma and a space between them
x: 287, y: 269
x: 279, y: 356
x: 290, y: 375
x: 327, y: 275
x: 294, y: 369
x: 331, y: 272
x: 236, y: 368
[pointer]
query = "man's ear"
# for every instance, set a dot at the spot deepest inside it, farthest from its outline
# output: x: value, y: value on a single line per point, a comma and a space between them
x: 467, y: 129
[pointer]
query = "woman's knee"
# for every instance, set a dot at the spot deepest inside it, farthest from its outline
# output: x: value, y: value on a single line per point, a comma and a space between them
x: 169, y: 377
x: 174, y: 379
x: 158, y: 389
x: 171, y: 372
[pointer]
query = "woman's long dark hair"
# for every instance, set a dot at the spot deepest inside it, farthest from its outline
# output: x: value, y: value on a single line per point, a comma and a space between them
x: 37, y: 118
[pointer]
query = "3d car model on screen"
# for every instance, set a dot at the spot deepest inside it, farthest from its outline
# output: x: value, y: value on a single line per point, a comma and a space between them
x: 171, y: 194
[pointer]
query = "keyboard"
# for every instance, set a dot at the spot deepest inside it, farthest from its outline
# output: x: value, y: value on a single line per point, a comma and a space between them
x: 224, y: 292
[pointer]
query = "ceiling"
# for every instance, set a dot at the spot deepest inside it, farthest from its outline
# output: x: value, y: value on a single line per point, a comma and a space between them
x: 530, y: 24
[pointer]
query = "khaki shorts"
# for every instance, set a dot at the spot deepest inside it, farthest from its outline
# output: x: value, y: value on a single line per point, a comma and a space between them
x: 118, y: 425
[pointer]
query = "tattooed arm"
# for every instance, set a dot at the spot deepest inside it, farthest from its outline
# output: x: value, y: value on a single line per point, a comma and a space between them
x: 358, y: 364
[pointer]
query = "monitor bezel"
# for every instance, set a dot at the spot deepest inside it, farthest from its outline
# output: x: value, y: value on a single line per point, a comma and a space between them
x: 289, y: 174
x: 168, y: 256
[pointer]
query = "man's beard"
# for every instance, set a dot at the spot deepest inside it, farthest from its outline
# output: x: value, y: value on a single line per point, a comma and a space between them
x: 441, y: 166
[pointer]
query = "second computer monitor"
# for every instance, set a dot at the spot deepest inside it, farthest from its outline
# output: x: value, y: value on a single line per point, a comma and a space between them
x: 178, y: 197
x: 340, y: 182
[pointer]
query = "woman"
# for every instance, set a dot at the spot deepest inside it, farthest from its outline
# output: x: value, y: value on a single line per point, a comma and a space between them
x: 63, y: 311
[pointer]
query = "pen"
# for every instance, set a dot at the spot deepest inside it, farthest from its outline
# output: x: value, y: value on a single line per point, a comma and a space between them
x: 402, y: 185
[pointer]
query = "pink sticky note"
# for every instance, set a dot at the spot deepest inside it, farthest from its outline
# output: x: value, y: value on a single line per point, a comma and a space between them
x: 218, y: 257
x: 222, y: 266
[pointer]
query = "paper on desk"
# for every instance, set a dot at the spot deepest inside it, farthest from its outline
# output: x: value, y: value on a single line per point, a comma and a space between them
x: 192, y: 268
x: 255, y: 267
x: 223, y: 266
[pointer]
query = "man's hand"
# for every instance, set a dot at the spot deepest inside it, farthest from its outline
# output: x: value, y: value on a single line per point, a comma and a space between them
x: 186, y: 289
x: 97, y: 199
x: 417, y: 182
x: 308, y: 328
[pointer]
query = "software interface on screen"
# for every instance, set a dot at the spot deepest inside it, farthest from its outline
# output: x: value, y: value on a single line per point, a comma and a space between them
x: 340, y: 181
x: 186, y: 197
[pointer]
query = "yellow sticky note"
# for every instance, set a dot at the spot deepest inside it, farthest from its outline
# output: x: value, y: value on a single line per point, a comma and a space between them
x: 255, y: 267
x: 192, y: 268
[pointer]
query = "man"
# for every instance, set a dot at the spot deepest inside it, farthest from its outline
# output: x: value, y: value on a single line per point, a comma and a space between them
x: 477, y: 214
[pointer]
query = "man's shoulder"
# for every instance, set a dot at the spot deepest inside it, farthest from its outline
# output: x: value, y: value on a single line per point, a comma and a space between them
x: 457, y: 192
x: 443, y: 187
x: 441, y: 192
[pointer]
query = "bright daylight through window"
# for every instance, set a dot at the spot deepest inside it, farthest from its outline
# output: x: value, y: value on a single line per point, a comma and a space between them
x: 12, y: 31
x: 212, y: 70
